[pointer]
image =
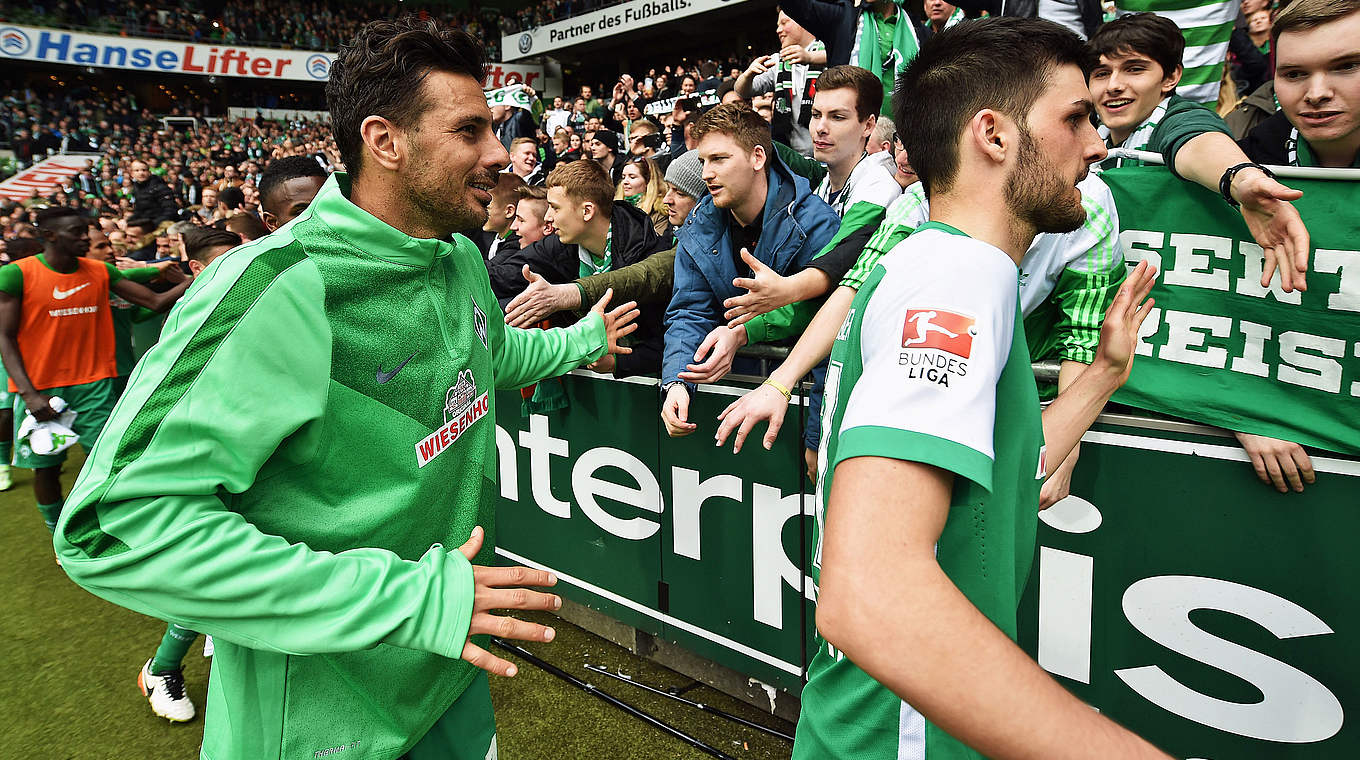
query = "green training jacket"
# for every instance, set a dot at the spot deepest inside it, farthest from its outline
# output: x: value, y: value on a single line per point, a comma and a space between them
x: 292, y: 470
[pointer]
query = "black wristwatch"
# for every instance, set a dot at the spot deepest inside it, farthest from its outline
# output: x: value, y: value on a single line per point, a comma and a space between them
x: 1225, y: 182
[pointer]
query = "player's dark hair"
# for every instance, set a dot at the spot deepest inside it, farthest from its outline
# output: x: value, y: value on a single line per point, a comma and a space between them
x: 231, y: 197
x: 200, y: 240
x: 280, y: 170
x: 380, y: 71
x: 245, y: 224
x: 1156, y: 37
x: 141, y: 222
x: 46, y: 217
x: 868, y: 88
x: 22, y: 248
x: 1002, y: 64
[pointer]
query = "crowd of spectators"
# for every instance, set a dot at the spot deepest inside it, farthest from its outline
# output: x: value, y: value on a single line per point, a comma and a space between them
x: 149, y: 170
x: 302, y: 24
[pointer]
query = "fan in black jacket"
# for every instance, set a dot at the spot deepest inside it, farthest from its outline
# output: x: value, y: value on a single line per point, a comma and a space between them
x: 152, y: 198
x: 632, y: 239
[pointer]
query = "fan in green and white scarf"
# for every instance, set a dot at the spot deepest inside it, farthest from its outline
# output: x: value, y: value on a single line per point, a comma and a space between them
x: 515, y: 96
x: 869, y: 54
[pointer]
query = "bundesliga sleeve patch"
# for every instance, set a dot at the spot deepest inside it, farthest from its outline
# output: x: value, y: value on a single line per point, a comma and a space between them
x: 936, y: 345
x: 941, y: 330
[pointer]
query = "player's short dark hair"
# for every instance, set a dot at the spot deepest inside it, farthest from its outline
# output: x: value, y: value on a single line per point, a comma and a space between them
x: 280, y: 170
x: 200, y: 240
x: 1002, y: 63
x: 231, y: 197
x: 868, y: 88
x: 46, y: 217
x: 1156, y: 37
x: 380, y: 71
x: 244, y: 224
x: 22, y: 248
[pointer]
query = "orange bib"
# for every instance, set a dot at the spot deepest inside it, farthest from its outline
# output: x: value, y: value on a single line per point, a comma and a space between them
x: 66, y: 328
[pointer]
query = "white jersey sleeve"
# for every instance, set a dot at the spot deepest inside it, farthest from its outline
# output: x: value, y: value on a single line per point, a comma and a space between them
x: 935, y: 336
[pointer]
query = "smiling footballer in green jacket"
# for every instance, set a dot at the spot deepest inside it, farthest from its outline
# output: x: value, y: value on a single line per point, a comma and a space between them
x: 295, y: 465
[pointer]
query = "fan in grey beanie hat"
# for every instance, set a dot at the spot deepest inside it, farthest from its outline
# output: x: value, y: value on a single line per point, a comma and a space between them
x: 686, y: 175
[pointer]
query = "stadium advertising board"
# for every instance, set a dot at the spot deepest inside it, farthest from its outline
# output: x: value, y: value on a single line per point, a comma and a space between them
x: 597, y: 25
x: 162, y: 56
x: 1226, y: 633
x: 502, y: 74
x: 44, y: 176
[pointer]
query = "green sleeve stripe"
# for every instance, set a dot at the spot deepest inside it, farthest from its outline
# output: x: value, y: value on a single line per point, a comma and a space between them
x: 83, y: 530
x: 141, y: 274
x: 910, y: 446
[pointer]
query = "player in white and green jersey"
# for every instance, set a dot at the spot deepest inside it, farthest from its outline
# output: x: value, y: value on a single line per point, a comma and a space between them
x: 935, y: 446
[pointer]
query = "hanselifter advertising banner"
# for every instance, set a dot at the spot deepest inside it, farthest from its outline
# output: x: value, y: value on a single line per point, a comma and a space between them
x: 1220, y: 349
x: 607, y: 22
x: 30, y: 43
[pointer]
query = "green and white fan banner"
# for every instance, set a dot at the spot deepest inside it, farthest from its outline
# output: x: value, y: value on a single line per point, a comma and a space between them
x: 1220, y: 349
x: 515, y: 96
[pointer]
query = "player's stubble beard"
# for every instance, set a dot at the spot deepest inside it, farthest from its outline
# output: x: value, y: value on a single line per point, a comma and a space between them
x: 448, y: 208
x: 1038, y: 195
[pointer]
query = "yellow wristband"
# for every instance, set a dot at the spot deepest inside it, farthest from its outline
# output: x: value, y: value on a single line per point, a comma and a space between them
x: 785, y: 392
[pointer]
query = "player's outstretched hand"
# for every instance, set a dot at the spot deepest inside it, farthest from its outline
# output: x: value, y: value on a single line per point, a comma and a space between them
x: 1119, y: 333
x: 501, y: 588
x: 620, y: 321
x: 762, y: 404
x: 172, y: 273
x: 1276, y: 226
x: 540, y: 300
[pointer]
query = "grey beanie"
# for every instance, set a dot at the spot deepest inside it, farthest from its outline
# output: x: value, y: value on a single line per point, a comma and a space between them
x: 686, y: 174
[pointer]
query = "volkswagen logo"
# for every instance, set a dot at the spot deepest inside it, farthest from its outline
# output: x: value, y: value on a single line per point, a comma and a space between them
x: 526, y: 42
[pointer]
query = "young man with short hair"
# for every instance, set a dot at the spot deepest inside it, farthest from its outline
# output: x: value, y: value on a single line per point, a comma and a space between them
x: 593, y: 234
x: 1317, y: 82
x: 56, y: 339
x: 1137, y: 65
x: 255, y: 516
x: 531, y: 209
x: 756, y: 208
x: 935, y: 443
x: 497, y: 237
x: 524, y: 160
x: 287, y: 187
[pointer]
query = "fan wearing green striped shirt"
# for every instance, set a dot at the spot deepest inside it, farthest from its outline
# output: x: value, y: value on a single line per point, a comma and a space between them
x: 1137, y: 67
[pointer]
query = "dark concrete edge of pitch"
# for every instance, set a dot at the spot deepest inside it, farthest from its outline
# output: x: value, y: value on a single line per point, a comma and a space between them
x: 681, y: 660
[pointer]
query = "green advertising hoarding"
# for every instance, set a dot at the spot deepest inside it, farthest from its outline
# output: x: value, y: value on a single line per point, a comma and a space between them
x: 1174, y: 592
